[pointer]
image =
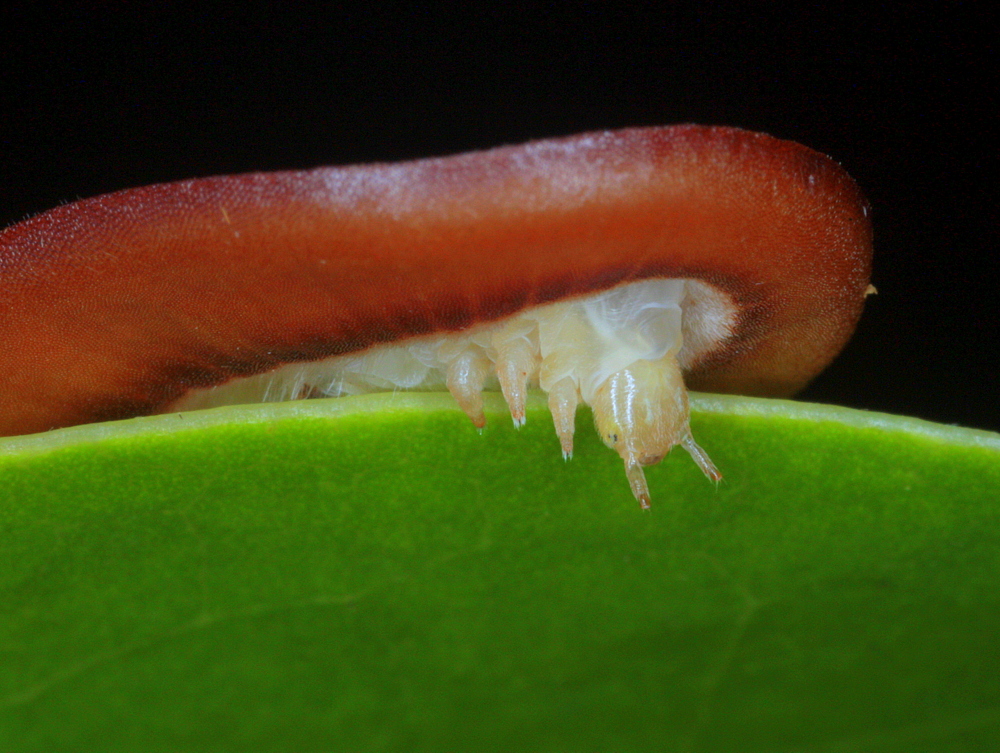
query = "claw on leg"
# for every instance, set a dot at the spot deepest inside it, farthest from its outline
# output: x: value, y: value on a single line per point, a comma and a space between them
x: 563, y: 399
x: 517, y: 360
x: 465, y: 376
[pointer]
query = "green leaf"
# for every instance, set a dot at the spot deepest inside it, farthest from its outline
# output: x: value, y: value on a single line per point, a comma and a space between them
x: 372, y: 574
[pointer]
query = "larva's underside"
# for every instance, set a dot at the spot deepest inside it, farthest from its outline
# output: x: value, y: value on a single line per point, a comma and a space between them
x: 607, y: 268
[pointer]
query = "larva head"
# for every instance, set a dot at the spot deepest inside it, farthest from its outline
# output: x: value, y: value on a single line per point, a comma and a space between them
x: 641, y: 412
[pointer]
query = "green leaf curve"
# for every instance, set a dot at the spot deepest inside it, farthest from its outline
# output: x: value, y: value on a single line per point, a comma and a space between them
x: 373, y: 574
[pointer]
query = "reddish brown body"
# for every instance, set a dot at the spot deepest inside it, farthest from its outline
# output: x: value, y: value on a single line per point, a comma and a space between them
x: 115, y: 306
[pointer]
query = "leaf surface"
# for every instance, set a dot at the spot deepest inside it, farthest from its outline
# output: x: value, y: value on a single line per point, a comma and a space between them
x: 372, y: 574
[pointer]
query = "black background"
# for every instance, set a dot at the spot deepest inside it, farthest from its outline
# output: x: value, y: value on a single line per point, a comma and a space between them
x: 115, y: 95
